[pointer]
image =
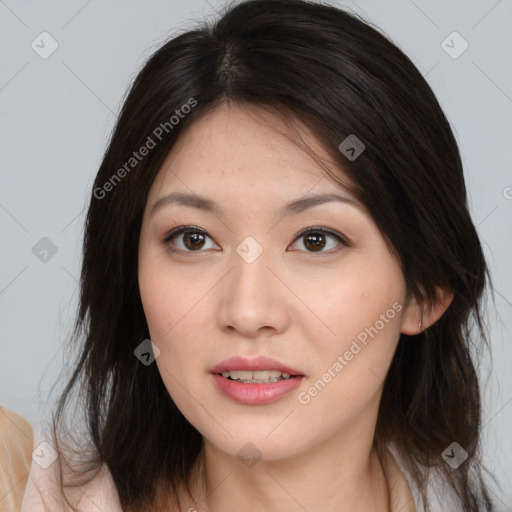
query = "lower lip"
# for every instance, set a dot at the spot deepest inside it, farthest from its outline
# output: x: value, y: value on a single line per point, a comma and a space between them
x: 256, y: 394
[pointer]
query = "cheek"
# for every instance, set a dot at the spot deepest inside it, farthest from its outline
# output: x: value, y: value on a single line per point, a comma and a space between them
x: 363, y: 298
x: 173, y: 318
x: 167, y: 301
x: 363, y: 314
x: 176, y: 313
x: 347, y: 381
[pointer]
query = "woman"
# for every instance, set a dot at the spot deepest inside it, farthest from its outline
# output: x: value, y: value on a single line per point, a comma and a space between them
x: 279, y: 278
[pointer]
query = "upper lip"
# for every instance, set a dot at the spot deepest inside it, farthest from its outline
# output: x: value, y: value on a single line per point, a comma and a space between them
x: 254, y: 364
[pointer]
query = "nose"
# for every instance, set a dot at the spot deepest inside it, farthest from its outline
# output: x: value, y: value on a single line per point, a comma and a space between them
x: 252, y: 300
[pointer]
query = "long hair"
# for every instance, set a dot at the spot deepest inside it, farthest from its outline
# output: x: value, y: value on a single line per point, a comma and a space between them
x: 333, y: 71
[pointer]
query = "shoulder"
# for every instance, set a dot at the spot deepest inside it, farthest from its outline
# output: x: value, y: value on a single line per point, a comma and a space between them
x: 43, y: 492
x: 440, y: 495
x: 16, y: 441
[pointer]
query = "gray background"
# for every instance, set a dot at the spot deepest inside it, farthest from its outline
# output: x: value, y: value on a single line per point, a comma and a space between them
x: 57, y: 113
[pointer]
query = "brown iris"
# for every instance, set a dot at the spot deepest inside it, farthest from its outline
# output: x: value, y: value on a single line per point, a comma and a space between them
x: 314, y: 241
x: 196, y: 240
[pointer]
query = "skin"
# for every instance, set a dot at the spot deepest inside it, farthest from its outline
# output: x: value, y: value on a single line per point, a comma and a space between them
x: 301, y: 307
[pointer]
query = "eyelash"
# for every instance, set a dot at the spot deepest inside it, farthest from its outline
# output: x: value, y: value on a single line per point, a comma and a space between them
x: 194, y: 229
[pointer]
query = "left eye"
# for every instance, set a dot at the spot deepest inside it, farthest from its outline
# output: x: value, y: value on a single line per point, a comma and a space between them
x: 316, y: 240
x: 192, y: 239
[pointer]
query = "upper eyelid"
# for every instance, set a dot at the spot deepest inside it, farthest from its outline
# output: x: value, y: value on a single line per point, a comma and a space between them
x: 321, y: 229
x: 182, y: 229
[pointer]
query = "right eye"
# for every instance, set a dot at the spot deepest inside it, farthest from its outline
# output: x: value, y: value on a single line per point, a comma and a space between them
x: 188, y: 239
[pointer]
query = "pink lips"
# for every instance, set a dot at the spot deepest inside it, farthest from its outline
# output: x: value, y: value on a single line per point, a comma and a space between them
x: 258, y: 363
x: 254, y: 393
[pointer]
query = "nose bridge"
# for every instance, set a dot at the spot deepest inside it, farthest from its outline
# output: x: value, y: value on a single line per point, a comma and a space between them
x: 249, y: 281
x: 251, y: 298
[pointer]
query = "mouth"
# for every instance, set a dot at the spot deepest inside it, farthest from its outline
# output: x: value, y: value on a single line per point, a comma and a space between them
x: 256, y: 377
x: 255, y: 381
x: 257, y: 370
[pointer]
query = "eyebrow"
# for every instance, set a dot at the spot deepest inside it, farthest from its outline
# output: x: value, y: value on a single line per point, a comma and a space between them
x: 292, y: 208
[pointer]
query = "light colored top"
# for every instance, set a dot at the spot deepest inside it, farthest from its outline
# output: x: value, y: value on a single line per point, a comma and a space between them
x: 43, y: 492
x: 16, y: 441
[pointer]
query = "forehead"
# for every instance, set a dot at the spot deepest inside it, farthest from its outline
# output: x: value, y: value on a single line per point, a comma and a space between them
x: 243, y: 148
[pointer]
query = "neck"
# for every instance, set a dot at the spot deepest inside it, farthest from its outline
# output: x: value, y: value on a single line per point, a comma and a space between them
x: 336, y: 476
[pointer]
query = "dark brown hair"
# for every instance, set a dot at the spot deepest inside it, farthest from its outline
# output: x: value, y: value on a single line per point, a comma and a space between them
x: 340, y: 76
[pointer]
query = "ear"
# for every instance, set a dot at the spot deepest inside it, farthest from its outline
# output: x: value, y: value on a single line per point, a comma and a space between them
x: 417, y: 318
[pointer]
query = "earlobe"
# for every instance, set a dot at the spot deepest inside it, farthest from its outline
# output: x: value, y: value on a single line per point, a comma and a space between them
x: 418, y: 318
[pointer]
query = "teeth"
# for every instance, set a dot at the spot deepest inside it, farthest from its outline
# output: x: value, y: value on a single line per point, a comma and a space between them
x: 260, y: 375
x: 244, y: 375
x: 257, y: 375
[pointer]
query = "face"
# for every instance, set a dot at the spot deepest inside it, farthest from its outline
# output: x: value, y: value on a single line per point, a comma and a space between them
x: 276, y: 315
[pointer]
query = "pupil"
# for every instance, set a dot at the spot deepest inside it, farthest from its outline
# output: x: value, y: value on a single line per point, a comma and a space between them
x: 315, y: 241
x: 195, y: 239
